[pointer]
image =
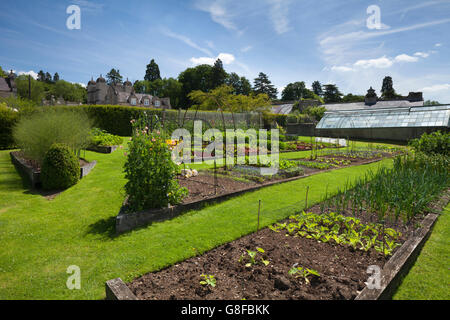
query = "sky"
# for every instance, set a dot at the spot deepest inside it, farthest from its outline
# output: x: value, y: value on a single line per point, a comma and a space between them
x: 340, y: 42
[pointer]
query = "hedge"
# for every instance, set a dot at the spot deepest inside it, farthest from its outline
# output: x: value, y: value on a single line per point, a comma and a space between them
x: 8, y: 118
x: 111, y: 118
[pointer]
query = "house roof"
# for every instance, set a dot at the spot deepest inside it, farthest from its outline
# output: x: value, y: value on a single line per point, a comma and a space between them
x: 379, y: 104
x: 282, y: 109
x: 4, y: 85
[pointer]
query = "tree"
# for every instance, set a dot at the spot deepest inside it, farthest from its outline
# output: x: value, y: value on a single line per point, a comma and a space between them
x: 262, y: 84
x: 332, y: 94
x: 113, y: 77
x: 218, y: 74
x: 197, y: 78
x: 317, y: 88
x: 241, y: 85
x: 293, y: 91
x: 352, y: 98
x: 387, y: 89
x: 56, y: 77
x: 41, y: 76
x: 2, y: 73
x: 152, y: 73
x: 48, y: 77
x: 223, y: 98
x: 431, y: 103
x: 37, y: 88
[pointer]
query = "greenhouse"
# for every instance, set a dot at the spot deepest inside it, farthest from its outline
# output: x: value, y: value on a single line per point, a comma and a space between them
x: 401, y: 123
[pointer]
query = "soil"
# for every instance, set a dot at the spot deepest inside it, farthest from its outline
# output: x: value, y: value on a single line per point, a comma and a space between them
x: 342, y: 270
x: 202, y: 187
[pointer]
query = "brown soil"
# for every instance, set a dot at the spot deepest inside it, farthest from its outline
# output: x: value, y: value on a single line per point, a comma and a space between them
x: 202, y: 187
x: 342, y: 270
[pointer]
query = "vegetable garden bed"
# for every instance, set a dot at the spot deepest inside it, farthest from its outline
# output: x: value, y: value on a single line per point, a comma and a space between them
x: 275, y: 264
x: 204, y: 189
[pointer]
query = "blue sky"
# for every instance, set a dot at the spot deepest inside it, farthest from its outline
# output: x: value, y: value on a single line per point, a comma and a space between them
x: 290, y: 40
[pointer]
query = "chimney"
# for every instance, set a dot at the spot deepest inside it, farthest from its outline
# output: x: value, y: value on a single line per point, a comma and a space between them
x: 371, y: 97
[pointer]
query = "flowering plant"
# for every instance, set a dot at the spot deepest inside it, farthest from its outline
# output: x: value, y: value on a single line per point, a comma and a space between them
x: 150, y: 170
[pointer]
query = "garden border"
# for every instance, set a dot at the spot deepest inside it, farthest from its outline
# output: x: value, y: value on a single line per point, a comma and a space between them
x: 392, y: 273
x: 116, y: 289
x: 126, y: 222
x: 34, y: 176
x: 401, y: 262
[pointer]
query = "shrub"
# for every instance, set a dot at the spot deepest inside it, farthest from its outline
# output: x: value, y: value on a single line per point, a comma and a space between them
x: 36, y: 133
x: 436, y: 142
x: 150, y: 170
x: 8, y: 118
x: 60, y: 168
x: 102, y: 138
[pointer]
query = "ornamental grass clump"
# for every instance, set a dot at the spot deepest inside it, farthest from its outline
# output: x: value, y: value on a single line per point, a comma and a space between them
x: 150, y: 170
x: 36, y: 133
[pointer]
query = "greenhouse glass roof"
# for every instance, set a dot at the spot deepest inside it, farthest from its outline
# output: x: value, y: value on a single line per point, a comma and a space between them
x: 430, y: 116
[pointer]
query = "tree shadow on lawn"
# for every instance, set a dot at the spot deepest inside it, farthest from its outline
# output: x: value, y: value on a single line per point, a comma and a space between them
x: 106, y: 228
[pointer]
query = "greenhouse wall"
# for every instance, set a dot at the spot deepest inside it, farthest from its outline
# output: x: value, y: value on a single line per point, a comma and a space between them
x: 386, y: 134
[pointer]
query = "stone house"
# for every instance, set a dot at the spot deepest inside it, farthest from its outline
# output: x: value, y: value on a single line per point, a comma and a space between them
x: 99, y: 92
x: 8, y: 86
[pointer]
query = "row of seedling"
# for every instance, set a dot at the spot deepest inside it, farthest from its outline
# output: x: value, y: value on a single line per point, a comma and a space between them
x: 342, y: 230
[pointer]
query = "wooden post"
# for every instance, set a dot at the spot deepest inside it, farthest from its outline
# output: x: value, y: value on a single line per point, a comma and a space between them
x: 29, y: 87
x: 259, y: 212
x: 306, y: 203
x: 215, y: 177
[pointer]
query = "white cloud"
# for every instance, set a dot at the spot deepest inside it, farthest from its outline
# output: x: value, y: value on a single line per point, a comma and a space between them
x: 218, y: 13
x: 33, y: 74
x: 279, y: 15
x: 405, y: 58
x: 186, y: 40
x: 226, y: 58
x: 383, y: 62
x: 341, y: 68
x: 437, y: 87
x: 438, y: 45
x: 246, y: 49
x: 422, y: 54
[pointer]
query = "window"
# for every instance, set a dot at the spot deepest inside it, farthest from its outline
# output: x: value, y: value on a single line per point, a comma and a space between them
x: 146, y: 102
x: 157, y: 103
x: 133, y: 101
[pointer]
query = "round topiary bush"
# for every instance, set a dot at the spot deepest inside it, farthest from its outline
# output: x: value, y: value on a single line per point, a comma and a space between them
x: 60, y: 168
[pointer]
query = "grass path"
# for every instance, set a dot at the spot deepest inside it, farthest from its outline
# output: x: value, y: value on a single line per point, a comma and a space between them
x: 40, y: 238
x: 429, y: 278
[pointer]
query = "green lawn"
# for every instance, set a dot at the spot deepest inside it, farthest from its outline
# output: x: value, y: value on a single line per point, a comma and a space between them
x: 40, y: 238
x: 429, y: 278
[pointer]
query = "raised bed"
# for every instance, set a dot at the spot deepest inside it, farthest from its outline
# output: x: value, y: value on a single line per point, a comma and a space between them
x: 342, y: 270
x: 129, y: 221
x: 34, y: 175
